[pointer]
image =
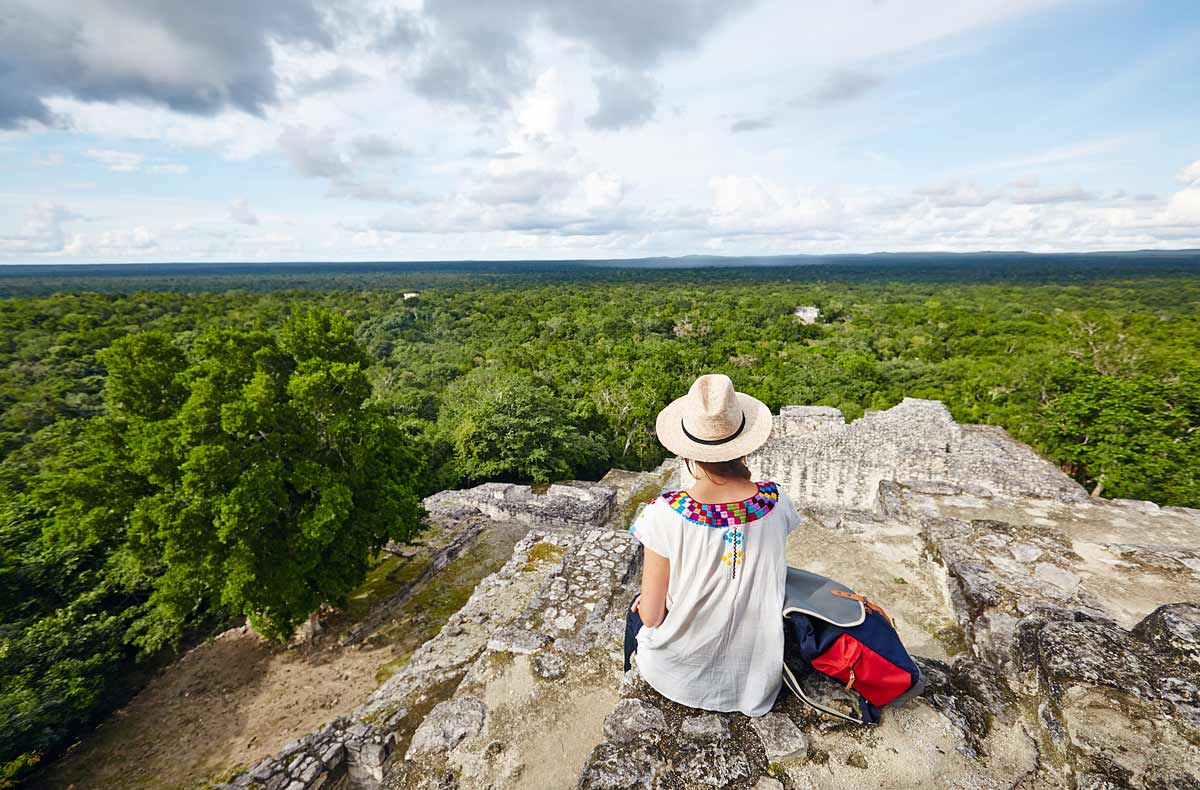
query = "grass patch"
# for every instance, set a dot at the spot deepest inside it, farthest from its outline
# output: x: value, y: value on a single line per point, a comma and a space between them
x: 651, y: 489
x: 385, y: 671
x: 216, y: 779
x: 541, y: 553
x: 389, y: 577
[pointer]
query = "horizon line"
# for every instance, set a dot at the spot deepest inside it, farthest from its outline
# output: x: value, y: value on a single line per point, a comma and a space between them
x: 684, y: 257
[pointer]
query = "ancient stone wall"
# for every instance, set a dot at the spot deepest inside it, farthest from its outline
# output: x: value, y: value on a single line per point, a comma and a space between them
x: 818, y: 458
x: 561, y: 506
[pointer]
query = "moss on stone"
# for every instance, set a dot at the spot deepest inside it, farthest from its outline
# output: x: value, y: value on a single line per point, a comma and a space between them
x: 422, y: 616
x: 385, y: 671
x: 541, y: 553
x: 651, y: 489
x: 389, y: 577
x: 953, y: 638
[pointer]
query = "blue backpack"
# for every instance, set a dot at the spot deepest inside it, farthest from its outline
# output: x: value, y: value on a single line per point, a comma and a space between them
x: 830, y: 629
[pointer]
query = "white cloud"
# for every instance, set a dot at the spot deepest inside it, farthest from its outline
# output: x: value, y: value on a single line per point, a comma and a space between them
x: 752, y: 204
x: 240, y: 212
x: 952, y: 194
x: 117, y: 161
x: 1184, y: 207
x: 1072, y: 193
x: 1190, y: 175
x: 129, y: 162
x: 124, y: 241
x: 315, y: 154
x: 43, y: 232
x: 168, y: 169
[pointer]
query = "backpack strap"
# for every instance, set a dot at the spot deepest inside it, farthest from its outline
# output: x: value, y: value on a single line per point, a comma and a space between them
x: 870, y: 606
x: 790, y: 681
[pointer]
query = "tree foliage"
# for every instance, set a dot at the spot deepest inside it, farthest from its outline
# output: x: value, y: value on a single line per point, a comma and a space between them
x: 250, y: 475
x: 506, y: 426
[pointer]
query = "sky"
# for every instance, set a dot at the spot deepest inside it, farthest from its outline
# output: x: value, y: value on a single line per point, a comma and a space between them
x: 172, y: 130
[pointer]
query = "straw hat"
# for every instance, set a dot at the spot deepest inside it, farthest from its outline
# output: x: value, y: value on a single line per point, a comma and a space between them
x: 713, y: 422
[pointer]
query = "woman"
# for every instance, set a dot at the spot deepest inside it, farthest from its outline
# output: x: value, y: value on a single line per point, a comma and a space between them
x: 707, y: 624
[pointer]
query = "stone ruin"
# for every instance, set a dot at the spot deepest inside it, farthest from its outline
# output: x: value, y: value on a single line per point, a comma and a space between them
x: 1059, y: 635
x: 807, y: 314
x: 819, y: 459
x: 561, y: 505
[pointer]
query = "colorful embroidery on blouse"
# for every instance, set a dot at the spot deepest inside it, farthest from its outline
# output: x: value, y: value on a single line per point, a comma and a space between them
x: 726, y: 513
x: 731, y: 515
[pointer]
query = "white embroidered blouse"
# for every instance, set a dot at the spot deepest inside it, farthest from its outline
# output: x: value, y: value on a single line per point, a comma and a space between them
x: 720, y: 646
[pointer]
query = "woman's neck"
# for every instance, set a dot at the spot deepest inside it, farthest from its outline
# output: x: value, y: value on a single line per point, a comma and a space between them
x: 707, y: 491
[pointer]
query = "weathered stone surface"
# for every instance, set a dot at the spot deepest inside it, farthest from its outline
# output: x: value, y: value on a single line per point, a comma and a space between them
x: 1122, y: 707
x: 549, y: 666
x: 816, y: 457
x: 632, y: 717
x: 1173, y: 629
x: 616, y: 766
x: 710, y: 726
x: 447, y: 724
x: 781, y: 738
x: 516, y: 638
x: 709, y: 763
x: 562, y: 506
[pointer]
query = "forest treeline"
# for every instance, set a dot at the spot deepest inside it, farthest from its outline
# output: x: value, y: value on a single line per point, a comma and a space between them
x: 172, y: 461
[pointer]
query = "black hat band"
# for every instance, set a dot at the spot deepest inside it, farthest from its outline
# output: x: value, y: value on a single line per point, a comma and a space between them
x: 728, y: 438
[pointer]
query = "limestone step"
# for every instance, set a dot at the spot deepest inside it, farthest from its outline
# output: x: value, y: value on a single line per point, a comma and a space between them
x: 555, y: 668
x: 355, y: 750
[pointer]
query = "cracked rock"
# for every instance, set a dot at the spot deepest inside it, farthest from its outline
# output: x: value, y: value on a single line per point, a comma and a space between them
x: 631, y: 717
x: 447, y: 724
x: 781, y: 738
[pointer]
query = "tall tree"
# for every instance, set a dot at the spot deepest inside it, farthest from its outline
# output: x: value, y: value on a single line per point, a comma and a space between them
x: 507, y: 426
x: 272, y: 479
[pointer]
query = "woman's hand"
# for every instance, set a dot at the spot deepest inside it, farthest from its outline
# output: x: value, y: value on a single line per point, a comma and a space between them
x: 636, y: 600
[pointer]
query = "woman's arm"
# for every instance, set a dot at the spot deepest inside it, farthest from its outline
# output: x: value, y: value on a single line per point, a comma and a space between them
x: 651, y: 605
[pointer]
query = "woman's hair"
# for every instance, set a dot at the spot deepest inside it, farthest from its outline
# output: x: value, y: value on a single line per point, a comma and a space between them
x: 720, y: 469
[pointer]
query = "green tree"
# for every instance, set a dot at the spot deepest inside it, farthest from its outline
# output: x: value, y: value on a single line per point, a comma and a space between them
x: 272, y: 482
x: 1130, y: 437
x: 507, y: 426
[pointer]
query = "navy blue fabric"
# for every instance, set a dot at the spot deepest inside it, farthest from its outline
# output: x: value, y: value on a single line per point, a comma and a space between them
x: 633, y: 624
x: 806, y: 638
x: 813, y: 637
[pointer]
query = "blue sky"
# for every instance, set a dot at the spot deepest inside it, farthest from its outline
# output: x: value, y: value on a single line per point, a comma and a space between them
x: 373, y: 129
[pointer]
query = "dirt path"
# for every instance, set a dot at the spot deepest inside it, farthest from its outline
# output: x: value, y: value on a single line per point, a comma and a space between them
x: 232, y: 701
x: 227, y: 703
